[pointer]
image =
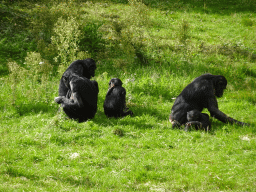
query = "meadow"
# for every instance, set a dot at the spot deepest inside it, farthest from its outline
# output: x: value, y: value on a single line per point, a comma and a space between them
x: 156, y: 48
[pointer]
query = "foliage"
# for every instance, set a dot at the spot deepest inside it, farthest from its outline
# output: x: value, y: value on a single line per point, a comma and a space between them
x: 91, y: 40
x: 66, y: 39
x: 31, y: 84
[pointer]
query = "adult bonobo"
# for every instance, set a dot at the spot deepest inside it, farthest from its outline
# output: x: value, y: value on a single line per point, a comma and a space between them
x: 78, y: 95
x: 80, y: 103
x: 85, y: 68
x: 114, y: 104
x: 199, y: 94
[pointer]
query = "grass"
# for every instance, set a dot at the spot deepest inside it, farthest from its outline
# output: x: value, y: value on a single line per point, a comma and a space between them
x: 156, y: 51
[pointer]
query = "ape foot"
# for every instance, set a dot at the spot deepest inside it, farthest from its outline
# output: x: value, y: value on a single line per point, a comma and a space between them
x: 188, y: 127
x: 131, y: 113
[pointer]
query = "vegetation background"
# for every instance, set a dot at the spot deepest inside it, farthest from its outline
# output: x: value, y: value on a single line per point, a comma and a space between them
x: 156, y: 47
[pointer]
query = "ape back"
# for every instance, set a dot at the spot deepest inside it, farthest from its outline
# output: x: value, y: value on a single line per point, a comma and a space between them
x: 84, y: 68
x: 114, y: 104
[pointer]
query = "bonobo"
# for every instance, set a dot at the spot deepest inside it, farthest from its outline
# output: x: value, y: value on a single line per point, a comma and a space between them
x: 198, y: 119
x: 78, y: 95
x: 84, y: 68
x: 199, y: 94
x: 80, y: 103
x: 114, y: 104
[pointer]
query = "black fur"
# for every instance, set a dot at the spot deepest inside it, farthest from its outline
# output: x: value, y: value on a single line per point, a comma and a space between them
x: 84, y: 68
x: 78, y: 95
x: 198, y: 119
x: 114, y: 104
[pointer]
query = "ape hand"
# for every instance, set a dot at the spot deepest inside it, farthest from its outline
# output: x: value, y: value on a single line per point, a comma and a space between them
x: 59, y: 99
x: 244, y: 124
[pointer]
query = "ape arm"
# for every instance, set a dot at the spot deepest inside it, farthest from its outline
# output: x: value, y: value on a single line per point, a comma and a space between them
x: 75, y: 101
x: 73, y: 98
x: 215, y: 112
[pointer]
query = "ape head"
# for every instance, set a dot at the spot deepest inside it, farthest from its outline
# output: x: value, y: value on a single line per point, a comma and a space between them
x: 220, y: 84
x: 193, y: 115
x: 89, y: 66
x: 115, y: 82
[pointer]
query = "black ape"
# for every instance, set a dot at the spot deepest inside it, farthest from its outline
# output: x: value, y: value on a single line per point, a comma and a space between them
x: 114, y: 104
x: 84, y: 68
x: 199, y: 94
x: 80, y: 102
x: 198, y: 119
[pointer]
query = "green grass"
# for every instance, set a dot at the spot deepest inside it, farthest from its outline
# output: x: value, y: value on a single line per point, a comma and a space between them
x: 156, y: 51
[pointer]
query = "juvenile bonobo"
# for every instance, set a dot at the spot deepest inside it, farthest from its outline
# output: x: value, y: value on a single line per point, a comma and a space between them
x: 199, y: 94
x: 84, y: 68
x: 114, y: 104
x: 198, y: 119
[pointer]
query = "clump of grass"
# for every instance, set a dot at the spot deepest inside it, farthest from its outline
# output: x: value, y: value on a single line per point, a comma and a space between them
x: 184, y: 31
x: 247, y: 22
x: 38, y: 68
x: 30, y: 83
x: 16, y: 75
x: 118, y: 132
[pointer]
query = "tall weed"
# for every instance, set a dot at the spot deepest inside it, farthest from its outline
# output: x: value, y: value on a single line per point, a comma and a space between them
x: 16, y: 74
x: 127, y: 35
x: 30, y: 84
x: 66, y: 39
x: 91, y: 39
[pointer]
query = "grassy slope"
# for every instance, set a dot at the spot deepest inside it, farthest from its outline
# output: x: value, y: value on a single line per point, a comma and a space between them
x: 43, y: 151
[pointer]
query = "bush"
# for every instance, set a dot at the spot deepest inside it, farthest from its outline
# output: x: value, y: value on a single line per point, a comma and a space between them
x: 66, y: 40
x: 91, y: 39
x: 30, y: 84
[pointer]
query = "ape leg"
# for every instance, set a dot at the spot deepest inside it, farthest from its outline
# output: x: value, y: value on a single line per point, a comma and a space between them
x: 74, y: 114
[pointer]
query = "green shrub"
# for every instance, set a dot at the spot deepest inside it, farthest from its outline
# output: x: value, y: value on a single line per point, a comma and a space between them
x: 16, y: 74
x: 66, y: 39
x: 91, y: 39
x: 30, y: 84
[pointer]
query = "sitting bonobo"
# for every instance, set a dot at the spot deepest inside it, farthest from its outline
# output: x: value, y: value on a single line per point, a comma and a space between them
x: 114, y: 104
x: 78, y: 95
x: 83, y: 68
x: 198, y: 120
x: 199, y: 94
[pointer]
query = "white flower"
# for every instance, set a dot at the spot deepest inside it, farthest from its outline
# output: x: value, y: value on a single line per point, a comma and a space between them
x: 245, y: 138
x: 74, y: 155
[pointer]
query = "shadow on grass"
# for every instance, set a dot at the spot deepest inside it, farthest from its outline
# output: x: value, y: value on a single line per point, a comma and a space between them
x: 34, y: 108
x: 135, y: 121
x: 15, y: 172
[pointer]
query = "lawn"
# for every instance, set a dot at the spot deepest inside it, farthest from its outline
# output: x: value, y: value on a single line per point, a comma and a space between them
x: 156, y: 48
